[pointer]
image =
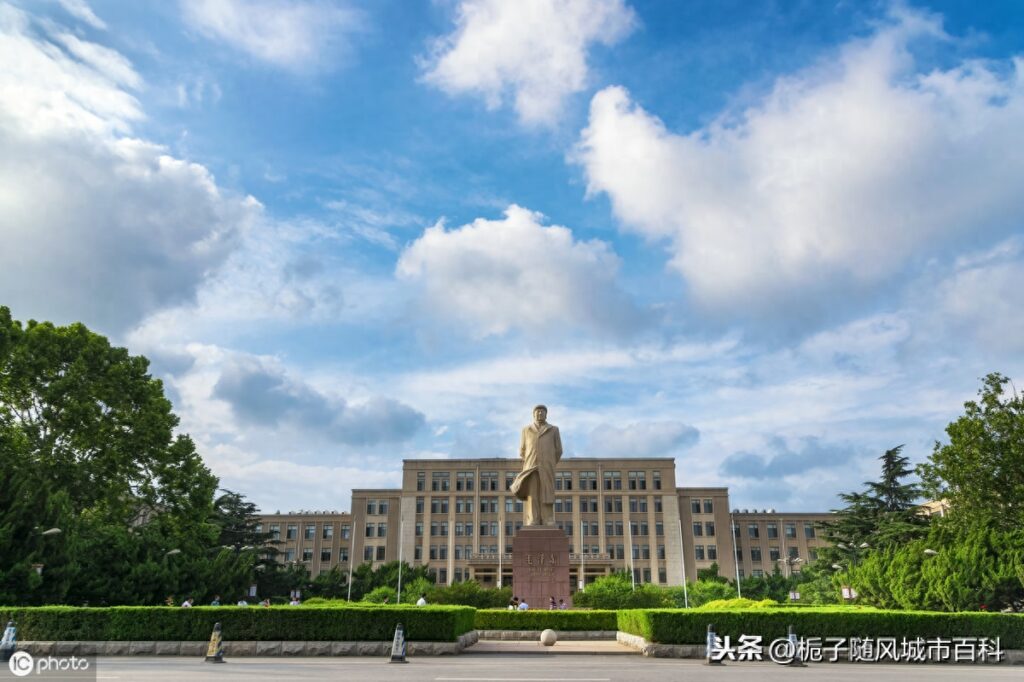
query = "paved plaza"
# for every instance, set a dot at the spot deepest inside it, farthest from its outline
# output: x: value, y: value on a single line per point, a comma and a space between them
x: 528, y: 668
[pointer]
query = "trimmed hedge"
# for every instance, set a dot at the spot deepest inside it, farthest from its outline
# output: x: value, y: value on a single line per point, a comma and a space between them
x: 682, y: 626
x: 503, y: 619
x: 277, y: 623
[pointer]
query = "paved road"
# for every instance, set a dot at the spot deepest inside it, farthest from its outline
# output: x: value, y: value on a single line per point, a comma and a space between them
x: 529, y: 668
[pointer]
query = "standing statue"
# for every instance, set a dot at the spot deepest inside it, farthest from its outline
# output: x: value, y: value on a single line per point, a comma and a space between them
x: 540, y: 448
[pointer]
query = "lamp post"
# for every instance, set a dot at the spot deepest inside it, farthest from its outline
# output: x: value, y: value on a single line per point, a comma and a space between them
x: 682, y: 556
x: 735, y: 556
x: 401, y: 534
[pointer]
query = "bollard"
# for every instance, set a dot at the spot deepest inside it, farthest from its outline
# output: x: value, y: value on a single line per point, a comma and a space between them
x: 9, y: 643
x: 398, y: 646
x: 215, y: 652
x: 709, y: 648
x: 797, y: 662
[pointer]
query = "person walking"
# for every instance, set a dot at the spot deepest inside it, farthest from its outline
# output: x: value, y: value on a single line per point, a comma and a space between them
x: 551, y: 604
x: 187, y: 604
x: 216, y: 600
x: 422, y: 601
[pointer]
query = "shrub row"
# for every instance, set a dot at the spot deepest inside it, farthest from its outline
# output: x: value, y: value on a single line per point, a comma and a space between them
x: 541, y: 620
x: 149, y: 623
x: 680, y: 626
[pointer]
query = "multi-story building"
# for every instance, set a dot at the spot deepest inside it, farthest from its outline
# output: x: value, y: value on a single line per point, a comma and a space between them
x: 458, y: 517
x: 318, y: 539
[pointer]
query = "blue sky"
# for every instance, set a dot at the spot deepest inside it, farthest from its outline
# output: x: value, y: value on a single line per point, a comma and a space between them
x: 770, y: 240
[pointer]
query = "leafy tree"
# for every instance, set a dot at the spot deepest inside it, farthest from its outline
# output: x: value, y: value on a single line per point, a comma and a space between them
x: 981, y: 469
x: 87, y: 444
x: 97, y: 425
x: 711, y: 573
x: 883, y: 514
x: 332, y: 584
x: 616, y: 591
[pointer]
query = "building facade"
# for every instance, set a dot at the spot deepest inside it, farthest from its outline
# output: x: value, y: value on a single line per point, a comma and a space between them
x: 458, y: 517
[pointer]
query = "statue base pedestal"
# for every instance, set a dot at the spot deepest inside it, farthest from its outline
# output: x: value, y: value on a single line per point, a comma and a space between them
x: 540, y: 566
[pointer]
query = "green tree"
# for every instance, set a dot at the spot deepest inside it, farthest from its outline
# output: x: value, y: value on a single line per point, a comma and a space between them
x: 981, y: 469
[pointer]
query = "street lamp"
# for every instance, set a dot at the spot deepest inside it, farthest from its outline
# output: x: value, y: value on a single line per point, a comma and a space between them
x: 52, y: 531
x: 173, y: 552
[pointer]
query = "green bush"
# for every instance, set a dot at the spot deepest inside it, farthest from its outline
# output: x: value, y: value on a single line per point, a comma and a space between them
x: 504, y: 619
x: 739, y: 603
x: 688, y: 626
x: 469, y: 593
x: 616, y: 591
x: 287, y: 623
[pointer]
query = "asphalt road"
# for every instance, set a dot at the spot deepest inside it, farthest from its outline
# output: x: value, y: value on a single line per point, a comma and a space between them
x: 529, y: 668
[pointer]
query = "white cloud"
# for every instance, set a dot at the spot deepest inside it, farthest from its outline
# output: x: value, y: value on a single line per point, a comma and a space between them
x: 80, y: 10
x: 296, y: 35
x: 98, y: 226
x: 830, y: 183
x: 641, y: 439
x: 515, y: 273
x: 535, y: 48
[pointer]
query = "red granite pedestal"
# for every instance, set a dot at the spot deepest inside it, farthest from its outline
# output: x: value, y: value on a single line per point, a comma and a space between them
x: 540, y: 566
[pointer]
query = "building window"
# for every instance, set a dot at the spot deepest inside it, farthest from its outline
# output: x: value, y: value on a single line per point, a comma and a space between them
x: 753, y: 531
x: 419, y: 505
x: 440, y: 480
x: 371, y: 529
x: 419, y: 530
x: 371, y: 507
x: 659, y: 528
x: 464, y: 480
x: 563, y: 480
x: 489, y: 480
x: 328, y: 531
x: 588, y: 480
x: 773, y: 530
x: 740, y: 570
x: 442, y: 551
x: 346, y: 531
x: 292, y: 532
x: 712, y: 552
x: 613, y: 480
x: 809, y: 531
x: 438, y: 505
x: 755, y: 554
x: 367, y: 553
x: 381, y: 553
x: 343, y: 555
x: 739, y: 554
x: 307, y: 554
x: 698, y: 529
x: 709, y: 507
x: 757, y: 573
x: 695, y: 506
x: 637, y: 480
x: 709, y: 528
x: 458, y: 552
x: 698, y: 552
x: 656, y: 479
x: 382, y: 507
x: 645, y: 551
x: 662, y: 576
x: 657, y: 504
x: 510, y: 477
x: 289, y: 555
x: 812, y: 555
x: 417, y: 553
x: 773, y: 554
x: 661, y: 551
x: 791, y: 530
x: 310, y: 531
x: 421, y: 480
x: 794, y: 552
x: 433, y: 552
x: 325, y: 555
x: 442, y: 576
x: 382, y: 530
x: 735, y: 530
x: 275, y: 531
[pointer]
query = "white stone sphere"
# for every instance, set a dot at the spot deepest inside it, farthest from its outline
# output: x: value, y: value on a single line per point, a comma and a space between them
x: 548, y: 638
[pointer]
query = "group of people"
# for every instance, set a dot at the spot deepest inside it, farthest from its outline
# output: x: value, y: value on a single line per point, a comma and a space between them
x: 190, y: 602
x: 517, y: 604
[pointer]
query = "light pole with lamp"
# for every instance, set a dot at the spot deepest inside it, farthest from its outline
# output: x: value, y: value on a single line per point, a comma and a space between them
x: 735, y: 556
x: 682, y: 556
